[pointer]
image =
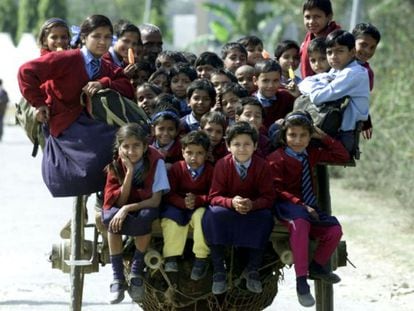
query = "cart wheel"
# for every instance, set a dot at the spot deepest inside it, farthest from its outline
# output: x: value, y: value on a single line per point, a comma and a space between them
x: 77, y: 238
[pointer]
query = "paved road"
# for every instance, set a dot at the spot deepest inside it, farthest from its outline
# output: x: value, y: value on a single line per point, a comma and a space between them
x: 30, y: 222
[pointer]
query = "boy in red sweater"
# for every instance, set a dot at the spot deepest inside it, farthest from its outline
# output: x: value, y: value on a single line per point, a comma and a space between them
x: 185, y: 204
x: 240, y: 207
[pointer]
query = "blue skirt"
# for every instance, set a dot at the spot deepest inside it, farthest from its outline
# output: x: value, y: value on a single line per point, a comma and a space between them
x: 224, y: 226
x: 179, y: 215
x: 287, y: 211
x: 135, y: 224
x: 73, y: 163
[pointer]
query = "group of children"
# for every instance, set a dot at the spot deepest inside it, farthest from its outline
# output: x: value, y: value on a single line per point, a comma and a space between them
x: 209, y: 163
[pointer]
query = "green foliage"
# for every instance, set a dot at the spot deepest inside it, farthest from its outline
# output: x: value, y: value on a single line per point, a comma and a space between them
x: 8, y: 20
x: 386, y: 163
x: 27, y: 17
x: 50, y: 8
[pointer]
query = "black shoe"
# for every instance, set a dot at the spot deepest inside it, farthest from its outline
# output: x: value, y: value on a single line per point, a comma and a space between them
x: 303, y: 291
x: 199, y: 270
x: 117, y: 291
x: 318, y: 272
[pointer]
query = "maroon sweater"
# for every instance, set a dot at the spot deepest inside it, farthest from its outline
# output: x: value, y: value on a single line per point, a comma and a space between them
x: 287, y: 171
x: 256, y: 186
x: 182, y: 183
x: 63, y: 75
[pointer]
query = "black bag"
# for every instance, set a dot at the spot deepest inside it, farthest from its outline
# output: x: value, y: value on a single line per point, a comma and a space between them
x: 109, y: 106
x: 327, y: 116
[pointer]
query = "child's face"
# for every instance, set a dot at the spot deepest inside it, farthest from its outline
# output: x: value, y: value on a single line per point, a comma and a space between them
x: 339, y: 56
x: 289, y: 58
x: 234, y: 59
x: 253, y: 115
x: 98, y: 41
x: 58, y: 37
x: 165, y: 62
x: 165, y: 132
x: 215, y: 132
x: 141, y: 77
x: 133, y: 149
x: 162, y: 82
x: 128, y: 40
x: 179, y: 84
x: 219, y: 81
x: 267, y: 83
x: 316, y: 20
x: 365, y: 47
x: 200, y: 102
x: 254, y: 54
x: 242, y: 147
x: 245, y: 78
x: 297, y: 138
x: 230, y: 102
x: 318, y: 62
x: 145, y: 99
x: 204, y: 71
x: 194, y: 155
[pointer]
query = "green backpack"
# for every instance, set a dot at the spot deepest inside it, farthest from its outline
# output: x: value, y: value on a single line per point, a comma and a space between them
x: 25, y: 117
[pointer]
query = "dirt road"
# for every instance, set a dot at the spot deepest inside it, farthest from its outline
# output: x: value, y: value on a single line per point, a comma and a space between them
x: 378, y: 233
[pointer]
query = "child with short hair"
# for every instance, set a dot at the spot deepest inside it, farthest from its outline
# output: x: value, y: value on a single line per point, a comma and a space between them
x: 296, y: 206
x: 317, y: 55
x: 185, y: 204
x: 145, y: 94
x: 250, y: 110
x: 165, y: 128
x: 244, y: 75
x: 161, y: 79
x: 254, y: 48
x: 214, y: 124
x: 167, y: 59
x: 346, y: 78
x: 230, y: 95
x: 233, y: 55
x: 142, y: 73
x: 201, y: 96
x: 276, y: 102
x: 181, y: 75
x: 136, y: 180
x: 239, y: 214
x: 287, y: 54
x: 317, y: 18
x: 206, y: 63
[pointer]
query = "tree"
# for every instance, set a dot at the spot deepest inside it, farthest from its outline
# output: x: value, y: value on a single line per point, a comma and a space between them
x: 8, y: 17
x: 50, y: 8
x: 27, y: 17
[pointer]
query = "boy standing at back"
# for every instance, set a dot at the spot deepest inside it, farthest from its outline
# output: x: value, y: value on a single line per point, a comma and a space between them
x: 346, y: 78
x: 276, y: 102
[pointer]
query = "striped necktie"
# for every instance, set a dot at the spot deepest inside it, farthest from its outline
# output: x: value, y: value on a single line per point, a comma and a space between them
x: 243, y: 171
x: 308, y: 196
x: 193, y: 173
x: 95, y: 68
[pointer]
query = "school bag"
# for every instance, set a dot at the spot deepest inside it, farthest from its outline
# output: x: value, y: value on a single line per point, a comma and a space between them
x: 109, y: 106
x: 25, y: 117
x: 327, y: 116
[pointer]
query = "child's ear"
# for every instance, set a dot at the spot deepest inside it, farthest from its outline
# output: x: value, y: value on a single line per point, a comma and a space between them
x: 152, y: 130
x: 255, y: 146
x: 255, y: 80
x: 237, y: 117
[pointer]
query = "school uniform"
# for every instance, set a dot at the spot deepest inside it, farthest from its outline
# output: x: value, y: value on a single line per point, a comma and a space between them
x: 286, y: 170
x: 305, y: 68
x: 189, y: 123
x: 111, y: 57
x: 263, y: 146
x: 172, y: 152
x: 219, y: 151
x: 154, y: 180
x: 77, y: 147
x: 222, y: 225
x: 370, y: 74
x: 275, y: 108
x: 176, y: 218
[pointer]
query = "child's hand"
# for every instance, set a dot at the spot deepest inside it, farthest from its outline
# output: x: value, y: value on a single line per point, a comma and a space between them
x: 129, y: 70
x: 190, y: 200
x: 246, y: 205
x: 92, y: 87
x: 318, y: 133
x: 241, y: 205
x: 367, y: 134
x: 126, y: 161
x: 115, y: 225
x: 293, y: 89
x: 312, y: 212
x: 42, y: 114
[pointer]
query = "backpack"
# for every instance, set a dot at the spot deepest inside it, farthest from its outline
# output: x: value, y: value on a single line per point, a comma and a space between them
x: 25, y: 117
x: 327, y: 116
x: 109, y: 106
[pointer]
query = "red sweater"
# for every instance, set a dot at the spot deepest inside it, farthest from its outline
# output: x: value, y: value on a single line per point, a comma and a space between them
x: 305, y: 68
x: 113, y: 186
x: 287, y: 171
x: 64, y: 75
x: 279, y: 108
x: 182, y: 183
x: 227, y: 183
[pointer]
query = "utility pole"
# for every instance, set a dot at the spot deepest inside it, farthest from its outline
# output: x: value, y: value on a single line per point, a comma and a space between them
x: 147, y: 11
x: 355, y: 13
